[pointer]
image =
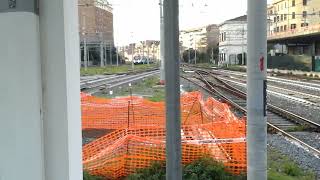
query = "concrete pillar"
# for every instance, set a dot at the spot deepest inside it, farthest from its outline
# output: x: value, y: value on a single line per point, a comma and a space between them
x: 21, y: 152
x: 172, y: 80
x: 59, y: 39
x: 256, y: 90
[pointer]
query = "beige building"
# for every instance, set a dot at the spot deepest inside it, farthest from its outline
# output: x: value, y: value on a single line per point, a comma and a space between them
x: 96, y: 21
x: 292, y: 18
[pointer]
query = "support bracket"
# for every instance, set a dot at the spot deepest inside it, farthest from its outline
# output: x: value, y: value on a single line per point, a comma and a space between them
x: 19, y: 6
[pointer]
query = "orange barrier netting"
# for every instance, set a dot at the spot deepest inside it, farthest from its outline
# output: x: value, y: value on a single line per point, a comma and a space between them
x: 208, y: 128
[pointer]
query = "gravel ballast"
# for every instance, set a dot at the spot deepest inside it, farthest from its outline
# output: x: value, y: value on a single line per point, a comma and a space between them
x: 304, y: 159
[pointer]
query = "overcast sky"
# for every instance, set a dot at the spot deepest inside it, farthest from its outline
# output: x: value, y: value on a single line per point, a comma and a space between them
x: 141, y: 17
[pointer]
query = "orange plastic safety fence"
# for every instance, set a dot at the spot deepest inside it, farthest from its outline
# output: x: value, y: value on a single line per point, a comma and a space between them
x: 208, y: 128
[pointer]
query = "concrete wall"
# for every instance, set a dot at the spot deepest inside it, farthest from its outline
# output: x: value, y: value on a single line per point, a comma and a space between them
x: 21, y: 149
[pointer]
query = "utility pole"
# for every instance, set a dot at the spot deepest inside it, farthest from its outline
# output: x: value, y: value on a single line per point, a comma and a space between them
x: 195, y: 50
x: 148, y: 54
x: 256, y: 90
x: 110, y: 48
x: 162, y: 48
x: 117, y: 56
x: 172, y: 80
x: 85, y: 56
x: 242, y: 57
x: 101, y: 50
x: 132, y: 51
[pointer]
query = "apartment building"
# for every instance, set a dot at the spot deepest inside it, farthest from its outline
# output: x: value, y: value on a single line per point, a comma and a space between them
x: 96, y: 22
x: 290, y: 18
x: 199, y: 38
x: 233, y: 41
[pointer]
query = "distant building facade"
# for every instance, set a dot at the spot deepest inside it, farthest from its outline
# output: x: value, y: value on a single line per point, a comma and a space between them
x: 233, y: 41
x: 294, y: 27
x: 199, y: 38
x: 96, y: 21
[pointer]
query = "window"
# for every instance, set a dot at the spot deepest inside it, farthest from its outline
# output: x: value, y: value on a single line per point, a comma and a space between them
x: 275, y: 19
x: 293, y: 3
x: 278, y: 18
x: 304, y: 24
x: 304, y: 14
x: 304, y: 2
x: 225, y: 36
x: 285, y: 27
x: 281, y: 28
x: 277, y: 29
x: 281, y: 17
x: 293, y: 26
x: 293, y: 15
x: 285, y: 17
x: 285, y: 4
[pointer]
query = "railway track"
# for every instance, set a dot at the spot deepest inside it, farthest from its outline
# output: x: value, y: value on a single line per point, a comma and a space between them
x: 279, y: 120
x: 104, y: 83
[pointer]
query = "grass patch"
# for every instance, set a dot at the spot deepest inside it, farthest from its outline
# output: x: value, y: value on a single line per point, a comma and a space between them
x: 280, y: 167
x: 115, y: 69
x: 147, y: 87
x: 202, y: 169
x: 87, y: 176
x: 297, y: 128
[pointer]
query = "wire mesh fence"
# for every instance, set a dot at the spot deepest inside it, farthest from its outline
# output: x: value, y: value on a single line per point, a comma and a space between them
x: 209, y: 128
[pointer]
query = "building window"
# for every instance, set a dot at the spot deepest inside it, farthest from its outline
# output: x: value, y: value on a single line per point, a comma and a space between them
x: 304, y: 14
x: 281, y: 17
x: 277, y: 29
x: 285, y: 4
x: 225, y: 36
x: 275, y: 19
x: 293, y: 3
x: 293, y: 26
x: 285, y: 17
x: 278, y: 18
x: 281, y: 28
x: 285, y: 27
x: 304, y: 2
x: 293, y: 15
x: 304, y: 24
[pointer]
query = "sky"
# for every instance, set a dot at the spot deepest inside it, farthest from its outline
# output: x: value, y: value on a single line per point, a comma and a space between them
x: 137, y: 20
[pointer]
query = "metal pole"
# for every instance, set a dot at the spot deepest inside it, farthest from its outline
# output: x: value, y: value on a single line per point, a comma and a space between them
x: 162, y: 48
x: 256, y: 90
x: 242, y: 57
x: 195, y: 50
x: 85, y: 55
x: 148, y: 56
x: 117, y: 57
x: 132, y: 52
x: 101, y: 51
x: 110, y: 48
x: 172, y: 79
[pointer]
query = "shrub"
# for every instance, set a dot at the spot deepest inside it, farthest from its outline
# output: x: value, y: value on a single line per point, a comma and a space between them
x: 202, y: 169
x: 87, y: 176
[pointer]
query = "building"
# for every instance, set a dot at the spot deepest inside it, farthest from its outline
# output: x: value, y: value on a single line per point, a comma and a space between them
x: 295, y: 25
x: 233, y: 41
x: 96, y: 30
x: 96, y: 21
x: 199, y: 38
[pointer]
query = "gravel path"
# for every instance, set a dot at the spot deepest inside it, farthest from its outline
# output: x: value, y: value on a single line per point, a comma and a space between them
x: 311, y: 138
x: 304, y: 159
x: 307, y: 111
x: 295, y: 88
